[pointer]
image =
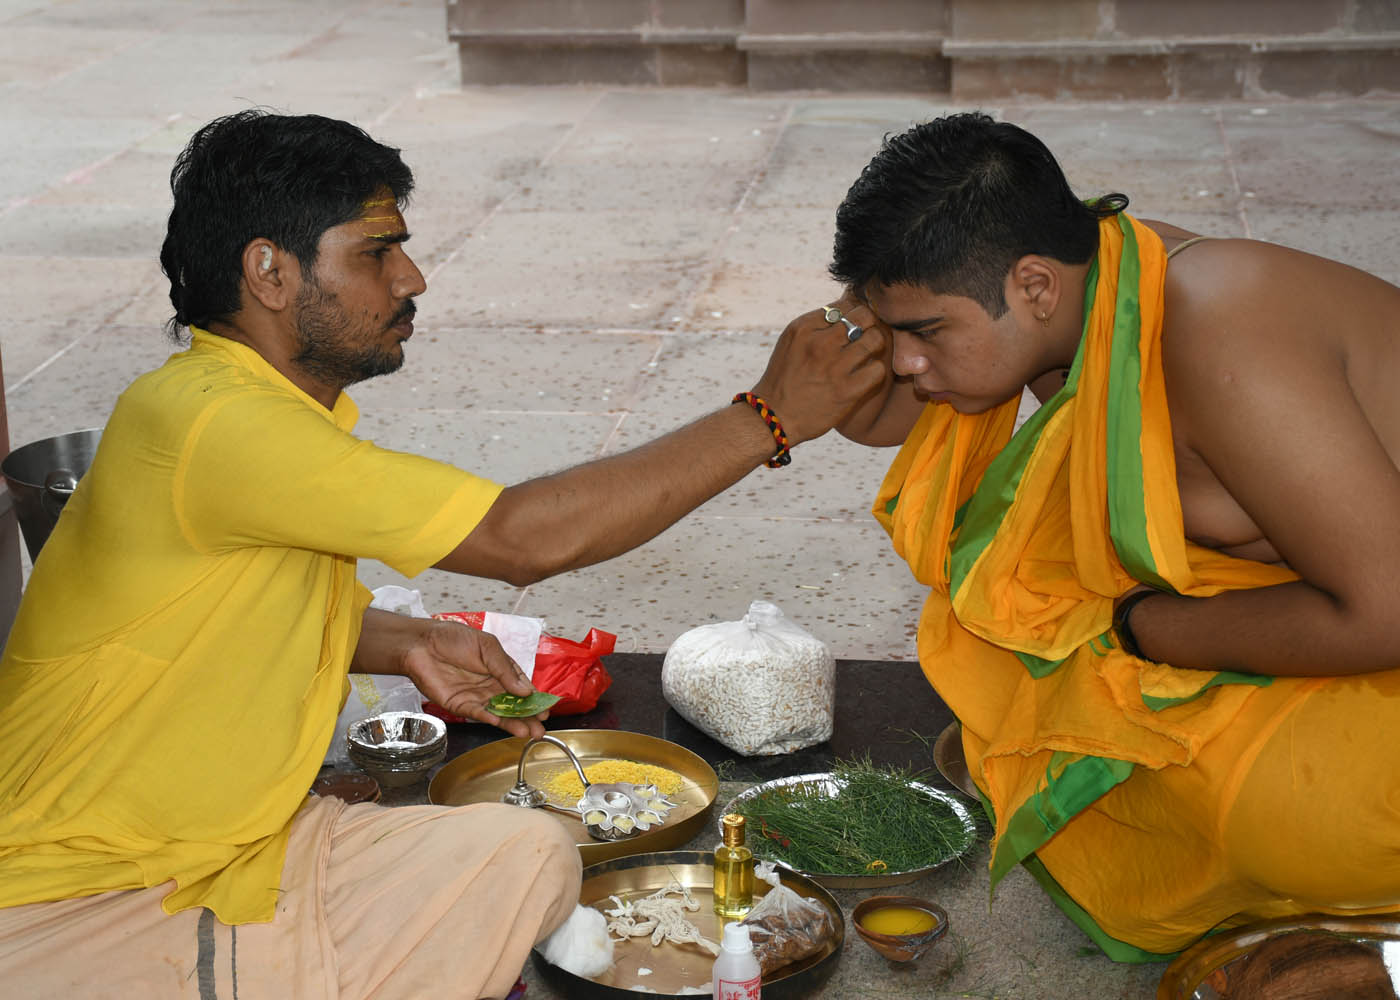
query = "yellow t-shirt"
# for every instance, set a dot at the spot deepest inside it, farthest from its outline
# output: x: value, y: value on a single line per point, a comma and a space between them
x: 171, y: 684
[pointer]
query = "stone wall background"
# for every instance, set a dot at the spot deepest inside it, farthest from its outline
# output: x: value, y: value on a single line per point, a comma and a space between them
x: 962, y: 49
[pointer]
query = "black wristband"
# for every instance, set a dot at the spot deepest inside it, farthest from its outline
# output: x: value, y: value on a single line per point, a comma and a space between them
x: 1121, y: 627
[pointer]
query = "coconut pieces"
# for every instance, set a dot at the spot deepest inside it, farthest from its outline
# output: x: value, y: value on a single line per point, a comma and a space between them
x: 661, y: 915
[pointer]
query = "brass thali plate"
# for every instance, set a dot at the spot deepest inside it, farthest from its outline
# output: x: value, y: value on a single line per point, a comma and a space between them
x: 488, y: 772
x: 674, y: 967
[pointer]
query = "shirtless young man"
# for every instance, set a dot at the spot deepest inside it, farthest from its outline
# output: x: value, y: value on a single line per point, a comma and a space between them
x: 1274, y: 375
x: 180, y: 655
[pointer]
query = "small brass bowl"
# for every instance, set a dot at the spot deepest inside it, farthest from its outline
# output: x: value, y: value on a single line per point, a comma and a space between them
x: 900, y: 947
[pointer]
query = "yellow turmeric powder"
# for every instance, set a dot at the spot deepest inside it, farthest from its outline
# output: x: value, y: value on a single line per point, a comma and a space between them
x: 563, y: 785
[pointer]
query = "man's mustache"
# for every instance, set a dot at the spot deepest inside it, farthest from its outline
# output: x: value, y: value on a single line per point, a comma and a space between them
x: 409, y: 310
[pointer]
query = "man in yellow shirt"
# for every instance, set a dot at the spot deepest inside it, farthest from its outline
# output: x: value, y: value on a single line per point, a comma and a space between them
x: 171, y: 683
x: 1163, y: 609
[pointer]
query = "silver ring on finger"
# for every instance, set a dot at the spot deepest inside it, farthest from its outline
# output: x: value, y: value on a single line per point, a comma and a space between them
x: 853, y: 332
x: 831, y: 314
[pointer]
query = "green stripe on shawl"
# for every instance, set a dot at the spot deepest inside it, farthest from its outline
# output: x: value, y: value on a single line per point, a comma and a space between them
x: 1127, y: 509
x: 1223, y: 677
x: 1072, y: 783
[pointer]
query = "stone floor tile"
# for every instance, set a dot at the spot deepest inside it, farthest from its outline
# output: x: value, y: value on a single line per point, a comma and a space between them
x: 880, y: 113
x: 149, y: 308
x: 26, y: 348
x: 515, y: 370
x: 70, y: 289
x: 130, y: 178
x: 481, y: 114
x: 839, y: 580
x: 638, y: 185
x: 1111, y: 131
x: 1156, y: 189
x: 360, y: 91
x: 1306, y: 167
x: 829, y: 478
x: 813, y: 166
x: 40, y: 152
x: 136, y: 82
x: 1361, y: 237
x: 594, y: 269
x: 770, y: 268
x: 80, y: 387
x: 507, y: 447
x: 104, y: 229
x: 35, y: 54
x: 696, y: 372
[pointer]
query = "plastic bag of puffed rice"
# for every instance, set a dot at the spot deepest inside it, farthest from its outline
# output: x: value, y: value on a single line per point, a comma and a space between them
x: 762, y: 685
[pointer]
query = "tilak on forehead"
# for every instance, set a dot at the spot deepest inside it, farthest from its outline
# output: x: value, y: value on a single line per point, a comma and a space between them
x: 382, y: 218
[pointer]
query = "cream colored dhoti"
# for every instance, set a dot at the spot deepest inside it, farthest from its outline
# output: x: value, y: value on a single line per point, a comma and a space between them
x: 380, y: 903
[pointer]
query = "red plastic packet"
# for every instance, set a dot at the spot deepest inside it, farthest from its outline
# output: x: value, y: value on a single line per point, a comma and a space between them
x: 572, y: 670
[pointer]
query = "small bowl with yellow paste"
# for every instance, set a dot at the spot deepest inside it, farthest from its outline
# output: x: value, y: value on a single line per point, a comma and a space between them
x: 902, y: 928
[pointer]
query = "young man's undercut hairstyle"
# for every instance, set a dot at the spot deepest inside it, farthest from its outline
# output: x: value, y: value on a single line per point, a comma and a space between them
x: 952, y: 204
x: 255, y: 175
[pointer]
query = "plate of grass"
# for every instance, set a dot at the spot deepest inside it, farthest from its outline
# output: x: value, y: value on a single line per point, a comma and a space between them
x: 857, y: 826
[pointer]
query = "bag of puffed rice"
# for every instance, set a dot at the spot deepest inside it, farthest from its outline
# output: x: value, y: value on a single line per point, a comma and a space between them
x: 760, y: 686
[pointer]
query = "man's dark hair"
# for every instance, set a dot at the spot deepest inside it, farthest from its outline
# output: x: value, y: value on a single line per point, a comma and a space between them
x: 254, y: 174
x: 952, y: 204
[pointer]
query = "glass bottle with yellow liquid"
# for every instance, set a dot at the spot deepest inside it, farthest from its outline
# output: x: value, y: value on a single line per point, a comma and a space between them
x: 733, y: 870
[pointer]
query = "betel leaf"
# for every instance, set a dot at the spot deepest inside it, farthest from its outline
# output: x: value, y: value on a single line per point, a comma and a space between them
x: 511, y: 706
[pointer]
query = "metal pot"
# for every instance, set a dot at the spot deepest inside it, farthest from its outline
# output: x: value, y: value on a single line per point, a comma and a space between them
x: 42, y: 475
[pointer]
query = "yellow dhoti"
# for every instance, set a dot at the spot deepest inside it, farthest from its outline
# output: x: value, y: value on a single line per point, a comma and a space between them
x: 1154, y: 803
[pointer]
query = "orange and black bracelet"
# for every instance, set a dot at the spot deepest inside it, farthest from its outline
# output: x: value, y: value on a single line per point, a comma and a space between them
x: 782, y: 456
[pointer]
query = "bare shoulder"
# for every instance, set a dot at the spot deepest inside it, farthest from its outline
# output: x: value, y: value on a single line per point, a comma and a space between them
x: 1252, y: 321
x: 1237, y: 296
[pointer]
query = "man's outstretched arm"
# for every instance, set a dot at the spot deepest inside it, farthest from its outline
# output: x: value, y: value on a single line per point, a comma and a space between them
x: 602, y: 509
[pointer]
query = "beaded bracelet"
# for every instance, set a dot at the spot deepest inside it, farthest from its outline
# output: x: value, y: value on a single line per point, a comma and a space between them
x: 782, y: 456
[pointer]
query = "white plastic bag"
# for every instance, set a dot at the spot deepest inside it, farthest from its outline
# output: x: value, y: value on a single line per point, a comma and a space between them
x: 762, y: 685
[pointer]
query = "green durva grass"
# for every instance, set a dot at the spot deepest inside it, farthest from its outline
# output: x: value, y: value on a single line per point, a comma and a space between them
x: 876, y: 824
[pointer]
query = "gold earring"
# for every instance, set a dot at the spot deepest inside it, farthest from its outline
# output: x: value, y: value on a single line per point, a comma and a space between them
x: 1044, y: 319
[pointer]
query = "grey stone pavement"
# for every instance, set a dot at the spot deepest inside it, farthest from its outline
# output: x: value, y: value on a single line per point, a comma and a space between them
x: 603, y: 264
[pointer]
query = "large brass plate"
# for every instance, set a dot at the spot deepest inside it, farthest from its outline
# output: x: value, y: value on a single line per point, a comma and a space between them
x: 674, y: 967
x: 488, y: 772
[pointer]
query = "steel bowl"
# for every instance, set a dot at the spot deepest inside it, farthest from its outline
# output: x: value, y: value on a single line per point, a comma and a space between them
x: 397, y: 748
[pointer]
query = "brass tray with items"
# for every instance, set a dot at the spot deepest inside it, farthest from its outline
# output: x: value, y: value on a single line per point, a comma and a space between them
x: 489, y: 773
x: 684, y: 970
x: 931, y: 828
x: 1317, y: 955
